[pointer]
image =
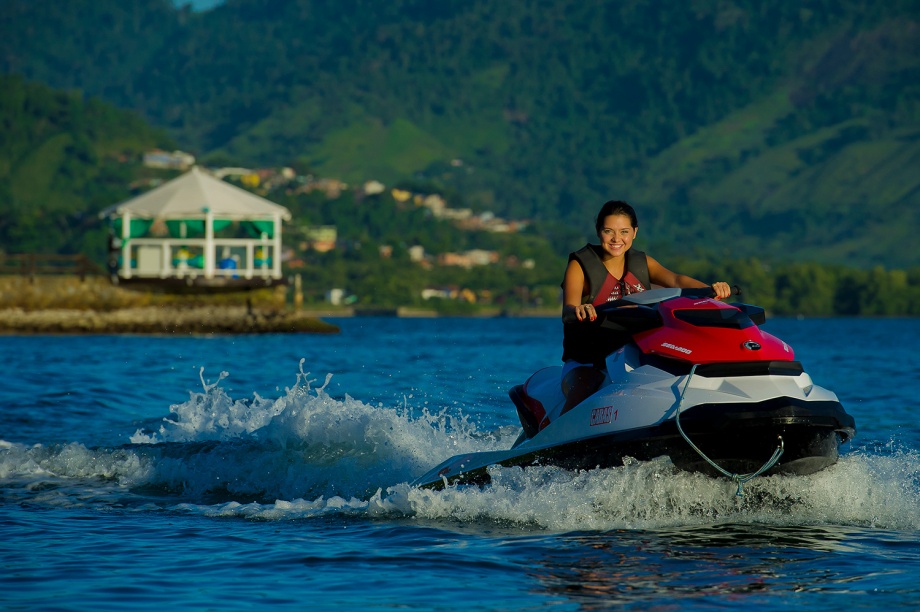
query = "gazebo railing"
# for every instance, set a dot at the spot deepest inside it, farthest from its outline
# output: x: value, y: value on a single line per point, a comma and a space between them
x: 187, y: 258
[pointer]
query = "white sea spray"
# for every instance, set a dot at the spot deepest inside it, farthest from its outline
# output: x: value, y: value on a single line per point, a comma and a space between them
x: 306, y: 454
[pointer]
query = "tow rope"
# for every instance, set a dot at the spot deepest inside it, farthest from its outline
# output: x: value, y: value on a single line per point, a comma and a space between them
x: 740, y: 479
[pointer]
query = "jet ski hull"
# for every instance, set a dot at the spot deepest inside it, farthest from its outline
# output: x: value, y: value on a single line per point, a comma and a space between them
x: 739, y: 438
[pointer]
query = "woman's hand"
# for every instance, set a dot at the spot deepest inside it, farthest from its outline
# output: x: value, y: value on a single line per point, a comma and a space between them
x: 723, y: 290
x: 585, y: 311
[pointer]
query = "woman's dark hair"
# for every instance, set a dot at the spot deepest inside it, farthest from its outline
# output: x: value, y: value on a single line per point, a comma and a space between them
x: 615, y: 207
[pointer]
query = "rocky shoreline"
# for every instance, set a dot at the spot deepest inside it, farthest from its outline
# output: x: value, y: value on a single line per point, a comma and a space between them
x: 69, y: 305
x: 160, y: 320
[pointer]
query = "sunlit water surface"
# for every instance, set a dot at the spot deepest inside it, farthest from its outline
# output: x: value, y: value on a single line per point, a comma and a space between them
x: 244, y: 472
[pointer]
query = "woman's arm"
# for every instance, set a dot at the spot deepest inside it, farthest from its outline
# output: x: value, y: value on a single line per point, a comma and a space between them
x: 573, y: 288
x: 660, y: 275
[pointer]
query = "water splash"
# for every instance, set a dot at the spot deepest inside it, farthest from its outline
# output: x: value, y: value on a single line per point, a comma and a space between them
x: 306, y: 454
x: 861, y: 490
x: 304, y: 443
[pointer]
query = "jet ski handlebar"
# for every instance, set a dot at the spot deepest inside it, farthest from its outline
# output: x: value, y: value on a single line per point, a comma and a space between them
x: 649, y: 299
x: 707, y: 291
x: 656, y: 296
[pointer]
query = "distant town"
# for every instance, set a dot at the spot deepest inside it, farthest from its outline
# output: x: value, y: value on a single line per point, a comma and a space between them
x: 324, y: 238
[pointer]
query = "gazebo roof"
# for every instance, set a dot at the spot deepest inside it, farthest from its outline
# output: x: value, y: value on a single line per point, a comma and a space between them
x: 192, y: 195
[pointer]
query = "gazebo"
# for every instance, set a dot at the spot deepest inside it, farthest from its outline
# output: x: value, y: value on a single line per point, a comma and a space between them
x: 197, y: 230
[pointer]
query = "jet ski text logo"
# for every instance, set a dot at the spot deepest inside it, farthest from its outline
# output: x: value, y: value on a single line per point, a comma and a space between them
x: 674, y: 347
x: 603, y: 415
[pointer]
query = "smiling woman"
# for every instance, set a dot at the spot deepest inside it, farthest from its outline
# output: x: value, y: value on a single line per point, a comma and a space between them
x: 598, y: 274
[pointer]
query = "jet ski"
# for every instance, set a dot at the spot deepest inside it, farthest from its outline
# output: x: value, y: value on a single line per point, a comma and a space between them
x: 697, y: 380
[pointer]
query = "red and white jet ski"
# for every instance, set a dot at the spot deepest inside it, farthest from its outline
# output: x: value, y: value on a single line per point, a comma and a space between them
x: 698, y: 381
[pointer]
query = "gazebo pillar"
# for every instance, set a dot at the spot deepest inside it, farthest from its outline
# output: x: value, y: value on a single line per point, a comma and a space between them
x: 208, y: 243
x: 125, y: 244
x: 276, y: 250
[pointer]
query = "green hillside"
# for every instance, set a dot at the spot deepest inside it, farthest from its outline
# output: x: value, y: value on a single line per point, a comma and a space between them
x: 63, y: 159
x: 781, y: 130
x: 848, y: 208
x: 66, y: 158
x: 827, y: 164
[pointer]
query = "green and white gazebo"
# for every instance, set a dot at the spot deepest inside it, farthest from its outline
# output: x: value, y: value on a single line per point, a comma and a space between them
x: 200, y: 230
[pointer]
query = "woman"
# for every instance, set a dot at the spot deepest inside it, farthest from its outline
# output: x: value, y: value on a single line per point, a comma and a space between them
x: 597, y: 274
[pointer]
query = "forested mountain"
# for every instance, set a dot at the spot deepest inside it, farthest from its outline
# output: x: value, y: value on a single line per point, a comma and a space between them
x: 62, y: 159
x: 785, y: 130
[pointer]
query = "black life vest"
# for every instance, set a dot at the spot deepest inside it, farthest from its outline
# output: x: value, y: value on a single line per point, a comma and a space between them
x: 589, y: 257
x: 588, y: 343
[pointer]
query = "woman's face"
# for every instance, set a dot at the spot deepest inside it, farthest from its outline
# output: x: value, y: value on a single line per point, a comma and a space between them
x: 617, y: 235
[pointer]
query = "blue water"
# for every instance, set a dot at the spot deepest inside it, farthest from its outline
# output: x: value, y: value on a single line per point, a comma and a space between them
x: 233, y: 473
